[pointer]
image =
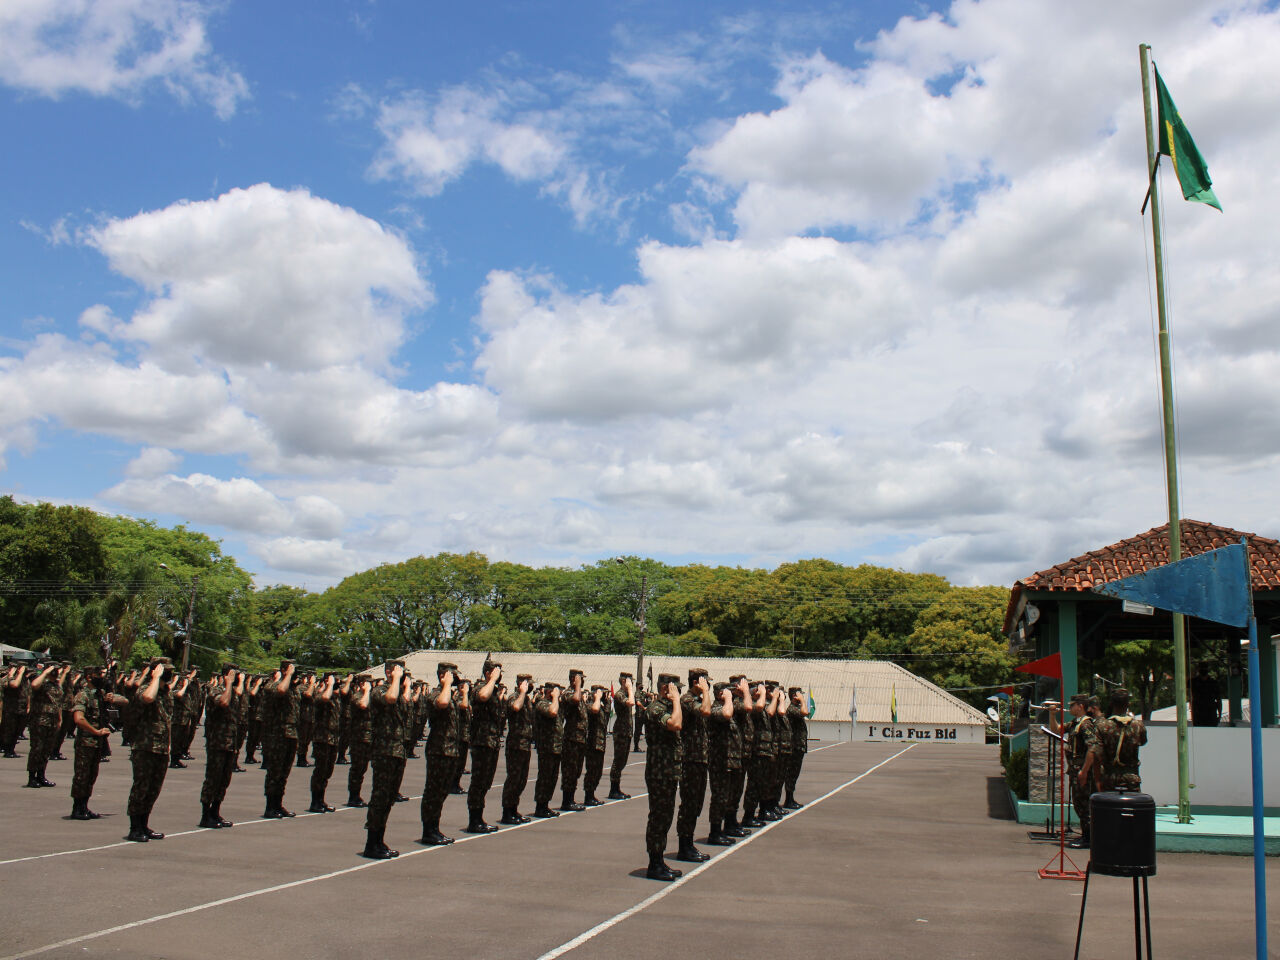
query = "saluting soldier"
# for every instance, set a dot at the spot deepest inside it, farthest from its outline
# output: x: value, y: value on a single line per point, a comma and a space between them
x: 306, y: 717
x: 257, y: 707
x: 598, y: 708
x: 15, y: 680
x: 281, y: 698
x: 221, y: 711
x: 798, y: 715
x: 664, y: 720
x: 624, y: 708
x: 324, y: 740
x: 745, y: 739
x: 360, y: 736
x: 443, y: 745
x: 387, y: 722
x: 573, y: 708
x: 486, y: 733
x: 695, y: 708
x: 181, y: 717
x: 724, y: 756
x: 344, y: 719
x: 548, y: 731
x: 195, y: 711
x: 782, y: 748
x: 758, y: 767
x: 89, y: 711
x: 519, y: 740
x: 153, y: 704
x: 44, y: 719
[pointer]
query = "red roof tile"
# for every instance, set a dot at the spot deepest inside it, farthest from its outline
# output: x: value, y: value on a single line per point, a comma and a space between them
x: 1146, y: 551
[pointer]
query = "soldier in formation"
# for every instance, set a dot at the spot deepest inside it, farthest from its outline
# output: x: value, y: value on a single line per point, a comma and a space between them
x: 1120, y: 735
x: 744, y: 740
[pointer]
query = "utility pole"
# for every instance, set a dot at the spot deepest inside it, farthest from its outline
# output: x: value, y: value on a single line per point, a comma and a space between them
x: 644, y: 606
x: 191, y: 615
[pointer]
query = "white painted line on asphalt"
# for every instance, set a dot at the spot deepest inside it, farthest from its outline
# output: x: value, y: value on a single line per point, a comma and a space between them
x: 294, y: 883
x: 728, y: 851
x: 187, y: 833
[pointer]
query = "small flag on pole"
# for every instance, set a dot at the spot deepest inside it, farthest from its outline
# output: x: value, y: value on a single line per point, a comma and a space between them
x: 1177, y: 145
x: 893, y: 704
x: 813, y: 707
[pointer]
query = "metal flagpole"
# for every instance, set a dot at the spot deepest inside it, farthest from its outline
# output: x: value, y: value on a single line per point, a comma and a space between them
x: 1255, y: 742
x: 1170, y: 447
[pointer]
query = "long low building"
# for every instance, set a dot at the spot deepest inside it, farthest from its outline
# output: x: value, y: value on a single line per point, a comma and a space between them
x: 853, y: 699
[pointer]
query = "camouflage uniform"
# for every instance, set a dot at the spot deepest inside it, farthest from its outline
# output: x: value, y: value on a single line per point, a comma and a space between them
x: 1119, y: 738
x: 622, y: 731
x: 597, y: 741
x: 360, y: 736
x: 519, y: 741
x: 153, y: 728
x: 745, y: 739
x: 661, y: 772
x: 306, y: 724
x: 88, y: 748
x: 257, y: 708
x: 693, y: 770
x: 324, y: 739
x: 11, y: 714
x: 279, y: 741
x: 344, y: 725
x: 1082, y: 739
x: 760, y: 767
x: 44, y: 720
x: 782, y: 762
x: 799, y: 718
x: 219, y: 751
x: 387, y: 722
x: 444, y: 746
x: 574, y: 714
x: 724, y: 759
x: 183, y: 700
x: 464, y: 740
x: 486, y: 734
x: 548, y: 733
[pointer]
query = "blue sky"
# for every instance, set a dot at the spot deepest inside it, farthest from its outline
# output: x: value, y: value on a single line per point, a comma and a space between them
x: 341, y: 283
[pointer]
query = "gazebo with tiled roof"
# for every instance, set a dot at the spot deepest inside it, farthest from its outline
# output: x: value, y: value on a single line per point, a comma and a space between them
x: 1056, y: 610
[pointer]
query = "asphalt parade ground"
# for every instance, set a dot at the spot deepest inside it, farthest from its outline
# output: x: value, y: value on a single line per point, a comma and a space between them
x: 899, y: 852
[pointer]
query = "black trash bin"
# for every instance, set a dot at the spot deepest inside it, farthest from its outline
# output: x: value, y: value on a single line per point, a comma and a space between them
x: 1123, y: 836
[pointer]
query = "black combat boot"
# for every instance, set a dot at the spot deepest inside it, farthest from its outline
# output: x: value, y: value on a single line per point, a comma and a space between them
x: 217, y: 815
x: 717, y: 837
x: 207, y: 820
x: 511, y: 817
x: 432, y: 837
x: 136, y: 833
x: 735, y: 829
x: 615, y: 793
x: 658, y: 869
x: 79, y: 810
x: 567, y: 803
x: 151, y: 834
x: 544, y: 812
x: 590, y: 801
x: 387, y: 852
x: 477, y: 824
x: 355, y: 801
x: 318, y: 805
x: 689, y: 853
x: 43, y: 781
x: 1083, y: 842
x: 767, y: 815
x: 33, y: 780
x: 375, y: 849
x: 791, y: 803
x: 176, y: 764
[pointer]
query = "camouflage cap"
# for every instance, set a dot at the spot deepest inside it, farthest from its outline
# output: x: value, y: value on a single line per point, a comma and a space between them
x: 442, y: 667
x: 625, y: 676
x: 1081, y: 699
x: 665, y: 678
x: 490, y: 665
x: 720, y: 686
x: 394, y: 663
x: 737, y: 678
x: 575, y: 673
x: 795, y: 690
x: 695, y: 673
x: 228, y: 667
x: 287, y: 663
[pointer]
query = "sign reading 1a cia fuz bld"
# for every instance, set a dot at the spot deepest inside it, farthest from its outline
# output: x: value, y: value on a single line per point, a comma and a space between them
x: 955, y: 733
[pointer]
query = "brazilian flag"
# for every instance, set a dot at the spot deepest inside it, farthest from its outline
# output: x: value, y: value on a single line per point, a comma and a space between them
x: 893, y: 703
x: 813, y: 707
x: 1177, y: 145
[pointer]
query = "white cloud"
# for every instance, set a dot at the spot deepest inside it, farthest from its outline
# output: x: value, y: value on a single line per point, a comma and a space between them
x: 115, y: 49
x: 266, y: 277
x: 239, y: 504
x: 151, y: 462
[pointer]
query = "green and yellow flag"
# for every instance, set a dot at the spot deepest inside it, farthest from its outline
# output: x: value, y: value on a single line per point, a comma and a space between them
x: 893, y: 704
x: 1177, y: 145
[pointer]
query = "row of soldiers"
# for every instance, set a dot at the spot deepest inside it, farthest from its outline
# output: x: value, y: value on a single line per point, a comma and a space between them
x: 749, y: 754
x: 1102, y: 751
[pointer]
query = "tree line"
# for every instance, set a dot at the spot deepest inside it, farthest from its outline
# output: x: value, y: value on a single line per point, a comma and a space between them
x: 82, y: 584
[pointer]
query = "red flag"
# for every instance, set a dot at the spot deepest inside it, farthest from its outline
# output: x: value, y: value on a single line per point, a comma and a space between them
x: 1050, y: 666
x: 1007, y: 690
